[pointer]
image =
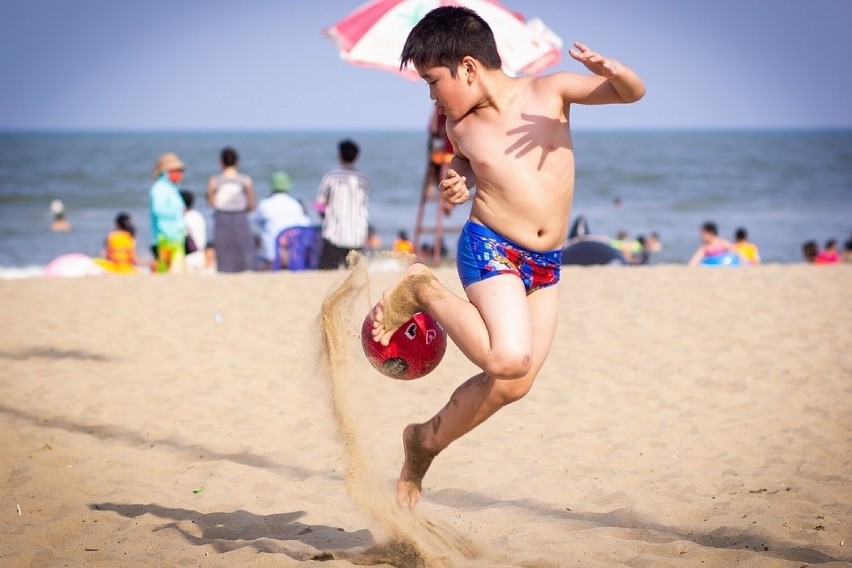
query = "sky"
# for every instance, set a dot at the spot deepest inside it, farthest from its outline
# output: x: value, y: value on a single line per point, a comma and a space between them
x: 265, y: 65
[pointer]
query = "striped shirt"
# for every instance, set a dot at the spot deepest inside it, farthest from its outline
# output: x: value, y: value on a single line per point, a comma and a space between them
x: 343, y: 196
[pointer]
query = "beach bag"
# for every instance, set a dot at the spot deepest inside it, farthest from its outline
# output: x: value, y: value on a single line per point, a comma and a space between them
x: 189, y: 245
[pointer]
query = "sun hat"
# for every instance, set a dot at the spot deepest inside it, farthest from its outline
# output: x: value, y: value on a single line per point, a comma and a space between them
x: 168, y: 162
x: 280, y: 181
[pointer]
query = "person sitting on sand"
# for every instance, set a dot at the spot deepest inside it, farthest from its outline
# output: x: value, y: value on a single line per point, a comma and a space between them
x: 626, y: 246
x: 512, y: 143
x: 712, y: 245
x: 745, y: 248
x: 120, y: 246
x: 653, y: 242
x: 273, y: 214
x: 403, y: 244
x: 810, y: 250
x: 829, y: 254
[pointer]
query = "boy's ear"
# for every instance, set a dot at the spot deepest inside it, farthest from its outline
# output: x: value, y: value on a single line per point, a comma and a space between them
x: 468, y: 68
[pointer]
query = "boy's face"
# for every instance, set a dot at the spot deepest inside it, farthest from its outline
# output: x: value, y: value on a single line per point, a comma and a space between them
x: 448, y: 92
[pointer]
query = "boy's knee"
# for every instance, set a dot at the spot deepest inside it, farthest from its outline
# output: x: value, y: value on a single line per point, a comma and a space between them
x: 508, y: 366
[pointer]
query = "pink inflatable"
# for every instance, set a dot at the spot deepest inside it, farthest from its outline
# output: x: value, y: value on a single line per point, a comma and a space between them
x: 72, y: 265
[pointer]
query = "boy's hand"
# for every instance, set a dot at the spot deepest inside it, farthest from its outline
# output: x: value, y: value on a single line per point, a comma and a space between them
x: 594, y: 62
x: 454, y: 188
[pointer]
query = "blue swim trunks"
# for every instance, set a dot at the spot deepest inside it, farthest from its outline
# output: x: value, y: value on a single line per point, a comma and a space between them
x: 482, y: 253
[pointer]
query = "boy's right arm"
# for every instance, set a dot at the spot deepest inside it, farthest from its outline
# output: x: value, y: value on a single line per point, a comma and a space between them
x: 460, y: 178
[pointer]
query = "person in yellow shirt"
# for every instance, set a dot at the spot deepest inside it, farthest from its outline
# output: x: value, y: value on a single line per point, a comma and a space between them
x: 402, y: 244
x: 746, y: 249
x: 119, y: 254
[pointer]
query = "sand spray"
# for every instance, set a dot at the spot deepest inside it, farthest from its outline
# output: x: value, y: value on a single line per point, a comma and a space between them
x: 415, y: 542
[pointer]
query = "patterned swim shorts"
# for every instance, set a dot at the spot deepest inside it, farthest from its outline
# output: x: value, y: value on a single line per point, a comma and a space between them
x: 482, y: 253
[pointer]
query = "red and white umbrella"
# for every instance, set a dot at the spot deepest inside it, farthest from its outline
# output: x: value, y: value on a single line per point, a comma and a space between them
x: 375, y: 33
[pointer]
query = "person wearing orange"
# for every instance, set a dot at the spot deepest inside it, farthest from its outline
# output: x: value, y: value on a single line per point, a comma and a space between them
x: 402, y: 244
x: 119, y: 254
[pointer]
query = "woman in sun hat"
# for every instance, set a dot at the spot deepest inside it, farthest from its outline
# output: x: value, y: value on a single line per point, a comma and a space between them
x: 166, y: 205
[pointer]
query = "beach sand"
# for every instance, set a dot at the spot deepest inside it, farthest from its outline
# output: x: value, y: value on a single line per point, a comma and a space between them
x: 685, y: 417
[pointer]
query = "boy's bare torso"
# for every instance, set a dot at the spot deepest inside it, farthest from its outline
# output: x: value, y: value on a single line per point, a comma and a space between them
x: 523, y: 158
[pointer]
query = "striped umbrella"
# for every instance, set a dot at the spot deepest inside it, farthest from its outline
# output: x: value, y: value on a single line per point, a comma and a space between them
x: 374, y: 34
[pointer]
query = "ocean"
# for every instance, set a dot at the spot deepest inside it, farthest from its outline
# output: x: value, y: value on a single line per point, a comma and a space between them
x: 784, y: 187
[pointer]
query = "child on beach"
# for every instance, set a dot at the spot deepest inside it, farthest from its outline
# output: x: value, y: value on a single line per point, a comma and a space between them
x: 745, y: 248
x: 512, y: 143
x: 712, y: 245
x: 120, y: 247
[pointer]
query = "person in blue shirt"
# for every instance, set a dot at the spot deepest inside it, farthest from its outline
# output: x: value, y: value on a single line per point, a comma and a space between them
x: 168, y: 232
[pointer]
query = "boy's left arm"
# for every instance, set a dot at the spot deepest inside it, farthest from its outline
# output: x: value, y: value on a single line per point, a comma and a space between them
x: 626, y: 86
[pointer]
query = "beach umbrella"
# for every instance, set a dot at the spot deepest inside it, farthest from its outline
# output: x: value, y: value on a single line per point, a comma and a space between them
x: 374, y: 34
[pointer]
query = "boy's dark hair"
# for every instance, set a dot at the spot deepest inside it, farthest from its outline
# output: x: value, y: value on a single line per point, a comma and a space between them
x: 445, y: 36
x: 348, y: 151
x: 741, y: 234
x: 710, y: 227
x: 229, y: 157
x: 830, y: 243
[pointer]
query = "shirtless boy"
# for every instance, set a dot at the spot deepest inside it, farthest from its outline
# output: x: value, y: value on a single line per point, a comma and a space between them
x: 512, y: 143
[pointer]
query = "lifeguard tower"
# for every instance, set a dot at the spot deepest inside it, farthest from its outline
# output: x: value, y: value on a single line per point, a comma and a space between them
x: 439, y: 155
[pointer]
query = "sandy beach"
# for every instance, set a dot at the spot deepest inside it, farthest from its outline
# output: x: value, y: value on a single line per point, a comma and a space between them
x: 685, y: 417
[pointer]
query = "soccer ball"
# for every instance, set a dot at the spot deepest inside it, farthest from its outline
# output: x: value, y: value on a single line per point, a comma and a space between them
x: 414, y: 350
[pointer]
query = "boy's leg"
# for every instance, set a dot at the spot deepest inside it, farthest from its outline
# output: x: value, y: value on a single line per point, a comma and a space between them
x: 502, y: 330
x: 492, y: 328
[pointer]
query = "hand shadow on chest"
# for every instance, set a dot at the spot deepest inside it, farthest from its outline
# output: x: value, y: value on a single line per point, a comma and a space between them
x: 543, y: 132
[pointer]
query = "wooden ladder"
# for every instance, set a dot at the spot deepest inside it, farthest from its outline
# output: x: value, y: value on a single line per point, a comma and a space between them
x: 437, y: 162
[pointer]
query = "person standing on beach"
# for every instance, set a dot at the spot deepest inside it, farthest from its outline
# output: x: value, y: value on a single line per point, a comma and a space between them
x: 231, y: 195
x: 512, y: 143
x: 196, y: 233
x: 342, y: 203
x: 166, y: 208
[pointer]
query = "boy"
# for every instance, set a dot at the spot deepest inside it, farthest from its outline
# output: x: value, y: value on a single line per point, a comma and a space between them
x: 511, y: 141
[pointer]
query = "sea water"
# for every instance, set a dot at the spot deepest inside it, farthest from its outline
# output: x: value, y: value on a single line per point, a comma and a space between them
x: 784, y: 187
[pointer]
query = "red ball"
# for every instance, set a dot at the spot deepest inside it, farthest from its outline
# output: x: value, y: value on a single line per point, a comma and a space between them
x: 414, y: 350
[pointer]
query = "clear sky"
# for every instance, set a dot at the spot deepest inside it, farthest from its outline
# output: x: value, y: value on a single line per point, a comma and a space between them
x: 264, y: 64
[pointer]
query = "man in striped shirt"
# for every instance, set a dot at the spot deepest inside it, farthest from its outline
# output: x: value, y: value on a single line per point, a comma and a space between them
x: 342, y: 203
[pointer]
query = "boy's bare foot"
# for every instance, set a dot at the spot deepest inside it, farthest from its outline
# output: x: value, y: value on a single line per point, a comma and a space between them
x: 400, y: 302
x: 417, y: 462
